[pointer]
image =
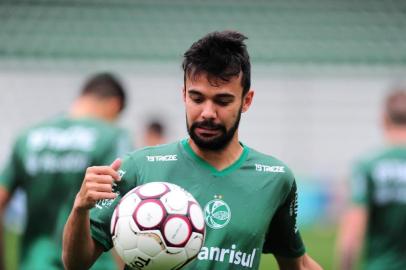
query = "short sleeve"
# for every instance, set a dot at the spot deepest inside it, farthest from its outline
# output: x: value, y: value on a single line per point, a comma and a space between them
x: 358, y: 184
x: 119, y: 145
x: 12, y: 170
x: 101, y: 214
x: 283, y: 237
x: 123, y: 144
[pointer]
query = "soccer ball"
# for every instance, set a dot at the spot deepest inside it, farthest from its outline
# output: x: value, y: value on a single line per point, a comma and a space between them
x: 157, y: 226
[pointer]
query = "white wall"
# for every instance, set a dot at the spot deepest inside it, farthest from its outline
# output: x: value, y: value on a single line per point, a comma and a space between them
x: 316, y: 124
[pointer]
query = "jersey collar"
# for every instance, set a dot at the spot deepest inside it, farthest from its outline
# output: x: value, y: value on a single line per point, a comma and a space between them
x: 236, y: 165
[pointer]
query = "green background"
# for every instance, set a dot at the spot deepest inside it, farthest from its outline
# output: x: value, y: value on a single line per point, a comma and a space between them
x: 320, y: 242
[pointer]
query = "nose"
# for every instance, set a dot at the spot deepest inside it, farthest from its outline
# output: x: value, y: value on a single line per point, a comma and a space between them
x: 209, y: 111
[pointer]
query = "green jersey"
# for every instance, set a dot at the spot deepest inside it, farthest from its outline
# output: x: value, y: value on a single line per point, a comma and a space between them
x: 257, y: 194
x: 379, y: 184
x: 48, y: 162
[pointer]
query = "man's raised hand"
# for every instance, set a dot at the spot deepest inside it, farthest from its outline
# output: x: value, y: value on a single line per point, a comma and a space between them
x: 97, y: 185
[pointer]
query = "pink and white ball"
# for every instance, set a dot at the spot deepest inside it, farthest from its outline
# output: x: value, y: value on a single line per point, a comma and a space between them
x: 157, y: 226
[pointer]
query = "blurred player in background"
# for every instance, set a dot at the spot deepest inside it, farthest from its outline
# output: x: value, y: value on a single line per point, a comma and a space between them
x: 377, y: 216
x: 154, y: 134
x: 48, y: 163
x: 258, y: 190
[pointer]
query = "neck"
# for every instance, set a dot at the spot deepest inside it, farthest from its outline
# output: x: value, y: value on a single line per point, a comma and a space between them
x: 220, y: 159
x: 396, y: 135
x: 87, y: 108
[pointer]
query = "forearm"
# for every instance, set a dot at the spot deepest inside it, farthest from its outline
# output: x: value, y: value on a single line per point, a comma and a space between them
x: 119, y: 262
x: 348, y: 254
x: 347, y: 260
x: 2, y: 244
x: 79, y: 249
x: 4, y: 199
x: 304, y: 262
x: 309, y: 264
x: 350, y: 238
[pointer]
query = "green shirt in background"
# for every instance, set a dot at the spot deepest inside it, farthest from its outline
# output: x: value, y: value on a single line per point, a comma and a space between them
x: 48, y: 162
x: 379, y: 184
x: 258, y: 192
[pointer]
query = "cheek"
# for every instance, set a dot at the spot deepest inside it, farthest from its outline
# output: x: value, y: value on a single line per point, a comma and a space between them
x: 191, y: 112
x: 228, y: 117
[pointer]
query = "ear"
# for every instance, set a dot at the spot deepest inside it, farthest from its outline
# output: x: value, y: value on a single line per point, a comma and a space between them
x: 386, y: 122
x: 247, y: 100
x: 112, y: 107
x: 184, y: 93
x: 114, y: 103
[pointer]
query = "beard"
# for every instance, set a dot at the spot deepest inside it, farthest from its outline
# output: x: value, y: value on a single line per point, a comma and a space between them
x: 214, y: 143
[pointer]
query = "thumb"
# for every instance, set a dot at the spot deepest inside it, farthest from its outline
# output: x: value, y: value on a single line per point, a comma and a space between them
x: 116, y: 164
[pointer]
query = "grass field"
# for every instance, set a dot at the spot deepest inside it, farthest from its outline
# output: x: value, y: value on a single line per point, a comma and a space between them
x: 319, y: 244
x: 11, y: 250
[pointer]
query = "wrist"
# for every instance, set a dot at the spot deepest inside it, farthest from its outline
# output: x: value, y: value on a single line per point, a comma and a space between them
x: 79, y: 207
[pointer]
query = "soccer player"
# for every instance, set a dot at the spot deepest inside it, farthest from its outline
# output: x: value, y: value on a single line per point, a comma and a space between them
x: 258, y: 191
x: 48, y: 163
x: 154, y: 133
x: 377, y: 216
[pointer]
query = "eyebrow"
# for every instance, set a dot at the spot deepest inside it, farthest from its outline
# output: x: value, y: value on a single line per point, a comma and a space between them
x: 195, y: 92
x: 224, y: 96
x: 221, y: 95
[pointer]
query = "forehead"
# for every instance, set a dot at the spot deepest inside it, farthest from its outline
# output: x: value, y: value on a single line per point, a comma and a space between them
x: 202, y: 82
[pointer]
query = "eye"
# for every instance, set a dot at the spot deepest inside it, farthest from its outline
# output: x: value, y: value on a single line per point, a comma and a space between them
x: 224, y: 101
x: 196, y: 98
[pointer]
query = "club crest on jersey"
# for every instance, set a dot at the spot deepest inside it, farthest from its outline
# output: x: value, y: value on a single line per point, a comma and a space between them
x: 217, y: 213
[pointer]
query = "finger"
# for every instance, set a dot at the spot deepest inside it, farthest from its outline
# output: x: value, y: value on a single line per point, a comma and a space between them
x: 97, y: 187
x: 116, y: 164
x: 100, y: 178
x: 104, y: 188
x: 107, y: 195
x: 100, y: 195
x: 106, y: 170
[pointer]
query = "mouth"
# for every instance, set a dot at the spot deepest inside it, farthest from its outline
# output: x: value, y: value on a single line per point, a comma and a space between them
x: 207, y: 132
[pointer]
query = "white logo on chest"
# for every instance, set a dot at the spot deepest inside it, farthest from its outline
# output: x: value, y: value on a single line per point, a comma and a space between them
x: 162, y: 158
x: 266, y: 168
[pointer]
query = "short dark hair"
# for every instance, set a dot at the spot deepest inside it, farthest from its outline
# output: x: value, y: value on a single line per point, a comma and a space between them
x: 222, y: 55
x: 396, y: 107
x: 105, y: 85
x: 156, y: 127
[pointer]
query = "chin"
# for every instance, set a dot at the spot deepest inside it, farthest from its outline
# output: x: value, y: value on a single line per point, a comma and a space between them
x: 212, y: 145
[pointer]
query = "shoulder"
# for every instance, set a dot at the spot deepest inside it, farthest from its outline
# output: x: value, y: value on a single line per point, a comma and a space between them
x: 33, y: 132
x: 104, y: 133
x: 62, y: 123
x: 148, y: 158
x: 272, y: 166
x: 373, y: 157
x: 97, y: 124
x: 155, y: 153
